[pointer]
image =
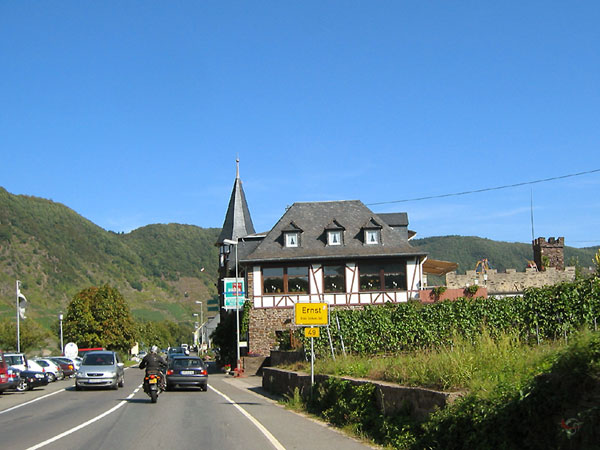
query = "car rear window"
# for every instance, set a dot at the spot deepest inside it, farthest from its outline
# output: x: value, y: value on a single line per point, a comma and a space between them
x: 14, y: 360
x: 188, y: 362
x: 98, y: 360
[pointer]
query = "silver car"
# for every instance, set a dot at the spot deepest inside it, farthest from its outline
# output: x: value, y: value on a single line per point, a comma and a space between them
x: 100, y: 369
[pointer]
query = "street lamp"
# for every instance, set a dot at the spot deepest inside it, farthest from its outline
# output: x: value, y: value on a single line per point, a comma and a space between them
x: 237, y: 306
x: 196, y: 327
x: 60, y: 319
x: 198, y: 302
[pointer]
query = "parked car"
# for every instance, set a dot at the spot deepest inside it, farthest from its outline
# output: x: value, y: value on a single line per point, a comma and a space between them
x: 100, y: 369
x: 30, y: 379
x: 14, y: 378
x: 76, y: 361
x: 20, y: 361
x: 51, y: 368
x: 4, y: 379
x: 187, y: 371
x: 16, y: 360
x: 66, y: 365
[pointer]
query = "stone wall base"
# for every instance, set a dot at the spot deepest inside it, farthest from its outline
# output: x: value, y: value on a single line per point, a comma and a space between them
x: 391, y: 398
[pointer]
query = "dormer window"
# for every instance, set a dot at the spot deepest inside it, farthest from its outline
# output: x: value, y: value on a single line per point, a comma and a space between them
x: 334, y: 237
x: 291, y: 235
x: 291, y: 239
x: 335, y: 233
x: 372, y: 237
x: 372, y: 232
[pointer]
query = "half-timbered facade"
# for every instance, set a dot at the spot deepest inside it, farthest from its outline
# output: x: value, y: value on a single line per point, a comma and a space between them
x: 338, y: 252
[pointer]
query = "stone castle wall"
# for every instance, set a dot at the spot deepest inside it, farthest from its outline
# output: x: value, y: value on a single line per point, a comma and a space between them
x: 510, y: 281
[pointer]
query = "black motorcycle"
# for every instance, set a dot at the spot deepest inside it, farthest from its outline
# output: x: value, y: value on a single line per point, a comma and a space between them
x: 154, y: 384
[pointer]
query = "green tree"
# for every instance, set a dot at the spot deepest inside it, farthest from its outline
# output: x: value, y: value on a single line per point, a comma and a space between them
x: 32, y: 335
x: 100, y: 317
x: 224, y: 340
x: 164, y: 333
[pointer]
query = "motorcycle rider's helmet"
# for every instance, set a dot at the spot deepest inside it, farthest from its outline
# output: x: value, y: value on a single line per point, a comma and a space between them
x: 153, y: 349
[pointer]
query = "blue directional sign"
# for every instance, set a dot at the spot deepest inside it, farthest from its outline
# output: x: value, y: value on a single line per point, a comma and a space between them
x: 233, y: 289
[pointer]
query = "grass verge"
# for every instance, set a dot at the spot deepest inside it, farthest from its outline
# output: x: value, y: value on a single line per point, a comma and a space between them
x: 517, y: 396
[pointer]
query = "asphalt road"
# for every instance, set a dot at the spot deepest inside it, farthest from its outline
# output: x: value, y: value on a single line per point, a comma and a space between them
x: 233, y: 414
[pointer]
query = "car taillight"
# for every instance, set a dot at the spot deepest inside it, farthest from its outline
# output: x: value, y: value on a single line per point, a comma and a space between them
x: 70, y: 366
x: 203, y: 372
x: 170, y: 372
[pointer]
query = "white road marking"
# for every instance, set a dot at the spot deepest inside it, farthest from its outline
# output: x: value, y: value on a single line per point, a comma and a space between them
x: 272, y: 439
x: 39, y: 398
x: 85, y: 424
x: 31, y: 401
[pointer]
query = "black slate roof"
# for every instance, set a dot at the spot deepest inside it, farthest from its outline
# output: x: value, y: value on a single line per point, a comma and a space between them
x: 313, y: 218
x: 395, y: 219
x: 238, y: 222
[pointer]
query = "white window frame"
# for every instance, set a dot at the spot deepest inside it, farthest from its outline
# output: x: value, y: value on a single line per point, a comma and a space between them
x: 331, y: 234
x: 288, y: 239
x: 371, y: 233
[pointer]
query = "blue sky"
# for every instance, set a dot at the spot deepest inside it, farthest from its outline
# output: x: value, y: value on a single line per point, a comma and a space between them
x: 133, y: 112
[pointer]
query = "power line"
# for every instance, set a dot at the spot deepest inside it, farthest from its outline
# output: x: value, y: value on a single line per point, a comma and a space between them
x: 454, y: 194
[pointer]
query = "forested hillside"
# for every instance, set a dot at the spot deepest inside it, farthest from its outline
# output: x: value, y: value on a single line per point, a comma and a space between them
x: 55, y: 253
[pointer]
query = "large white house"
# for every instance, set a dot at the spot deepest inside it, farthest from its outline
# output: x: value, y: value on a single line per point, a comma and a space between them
x: 338, y: 252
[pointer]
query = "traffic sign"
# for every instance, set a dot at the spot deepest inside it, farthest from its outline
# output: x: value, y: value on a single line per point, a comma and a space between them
x: 312, y: 332
x: 71, y: 350
x: 233, y: 290
x: 311, y: 314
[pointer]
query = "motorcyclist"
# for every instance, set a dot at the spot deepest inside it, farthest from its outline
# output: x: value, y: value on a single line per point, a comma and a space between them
x: 153, y: 362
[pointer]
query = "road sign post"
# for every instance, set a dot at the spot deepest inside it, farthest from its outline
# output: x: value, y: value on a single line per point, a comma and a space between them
x: 311, y: 315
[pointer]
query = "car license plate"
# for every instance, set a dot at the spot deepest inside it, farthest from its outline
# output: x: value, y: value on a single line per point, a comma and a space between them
x: 95, y: 381
x: 187, y: 372
x: 152, y: 381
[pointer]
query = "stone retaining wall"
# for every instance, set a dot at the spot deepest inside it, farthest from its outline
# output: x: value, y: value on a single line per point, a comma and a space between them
x: 391, y: 397
x: 262, y: 327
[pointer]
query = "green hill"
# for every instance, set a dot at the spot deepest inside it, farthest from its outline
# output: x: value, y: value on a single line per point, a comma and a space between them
x: 55, y: 253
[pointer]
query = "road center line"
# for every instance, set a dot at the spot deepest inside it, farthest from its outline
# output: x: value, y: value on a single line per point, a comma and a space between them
x: 85, y: 424
x: 272, y: 439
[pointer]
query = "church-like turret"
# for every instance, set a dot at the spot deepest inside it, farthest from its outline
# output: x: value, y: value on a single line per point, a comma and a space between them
x: 238, y: 222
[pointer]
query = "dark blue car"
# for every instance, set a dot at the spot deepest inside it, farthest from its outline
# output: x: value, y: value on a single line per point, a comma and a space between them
x: 30, y: 379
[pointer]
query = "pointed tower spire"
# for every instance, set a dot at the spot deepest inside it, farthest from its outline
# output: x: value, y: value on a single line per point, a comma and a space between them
x: 238, y: 222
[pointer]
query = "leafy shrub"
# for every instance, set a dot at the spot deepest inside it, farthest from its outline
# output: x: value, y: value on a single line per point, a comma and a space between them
x: 354, y: 406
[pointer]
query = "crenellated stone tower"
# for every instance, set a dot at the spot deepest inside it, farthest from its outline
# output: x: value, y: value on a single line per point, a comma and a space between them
x: 549, y: 253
